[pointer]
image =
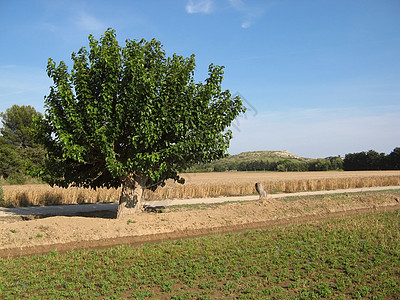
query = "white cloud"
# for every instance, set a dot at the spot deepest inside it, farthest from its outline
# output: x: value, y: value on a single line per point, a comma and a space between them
x: 88, y: 22
x: 246, y: 24
x: 199, y: 6
x: 237, y: 4
x: 249, y: 14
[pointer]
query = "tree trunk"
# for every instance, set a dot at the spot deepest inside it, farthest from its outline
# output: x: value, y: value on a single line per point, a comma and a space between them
x: 130, y: 201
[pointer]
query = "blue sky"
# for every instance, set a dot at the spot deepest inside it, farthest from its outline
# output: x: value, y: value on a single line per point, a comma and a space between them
x: 320, y: 78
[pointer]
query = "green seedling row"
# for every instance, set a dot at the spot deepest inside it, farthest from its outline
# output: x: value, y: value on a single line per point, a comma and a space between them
x: 346, y: 258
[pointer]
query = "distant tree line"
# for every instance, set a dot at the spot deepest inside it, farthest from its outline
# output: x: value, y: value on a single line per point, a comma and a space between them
x: 372, y: 160
x: 292, y: 165
x: 283, y: 165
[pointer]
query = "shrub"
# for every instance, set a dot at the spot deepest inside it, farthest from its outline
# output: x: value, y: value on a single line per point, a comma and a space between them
x: 17, y: 178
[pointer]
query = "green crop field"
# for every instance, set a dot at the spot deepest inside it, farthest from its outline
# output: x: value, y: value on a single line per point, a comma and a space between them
x: 345, y: 258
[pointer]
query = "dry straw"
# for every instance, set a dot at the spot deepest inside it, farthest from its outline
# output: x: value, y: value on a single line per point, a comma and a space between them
x: 205, y: 185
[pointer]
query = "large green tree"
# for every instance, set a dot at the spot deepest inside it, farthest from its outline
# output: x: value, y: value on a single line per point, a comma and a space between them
x: 18, y: 151
x: 17, y: 125
x: 132, y: 116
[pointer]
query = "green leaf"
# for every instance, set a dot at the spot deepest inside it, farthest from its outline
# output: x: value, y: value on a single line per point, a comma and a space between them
x: 132, y: 111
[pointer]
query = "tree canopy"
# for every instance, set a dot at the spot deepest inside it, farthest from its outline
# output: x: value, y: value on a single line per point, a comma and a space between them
x: 19, y: 153
x: 17, y: 125
x: 132, y: 116
x: 372, y: 160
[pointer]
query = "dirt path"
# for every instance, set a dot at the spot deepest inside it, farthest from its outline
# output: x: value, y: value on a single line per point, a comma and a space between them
x: 98, y: 229
x: 71, y: 210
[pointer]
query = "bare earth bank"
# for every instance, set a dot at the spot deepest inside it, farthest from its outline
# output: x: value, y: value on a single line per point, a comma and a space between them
x: 62, y: 233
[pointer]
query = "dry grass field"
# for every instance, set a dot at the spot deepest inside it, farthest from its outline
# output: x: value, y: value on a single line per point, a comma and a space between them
x: 203, y: 185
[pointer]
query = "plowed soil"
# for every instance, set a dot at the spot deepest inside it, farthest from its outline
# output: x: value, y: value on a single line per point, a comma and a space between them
x: 41, y: 234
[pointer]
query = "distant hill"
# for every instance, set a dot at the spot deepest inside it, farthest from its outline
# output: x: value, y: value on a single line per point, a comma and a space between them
x: 269, y: 161
x: 263, y: 155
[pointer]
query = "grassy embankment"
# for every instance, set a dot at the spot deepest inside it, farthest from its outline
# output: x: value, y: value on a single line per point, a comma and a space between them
x: 357, y: 257
x: 202, y: 185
